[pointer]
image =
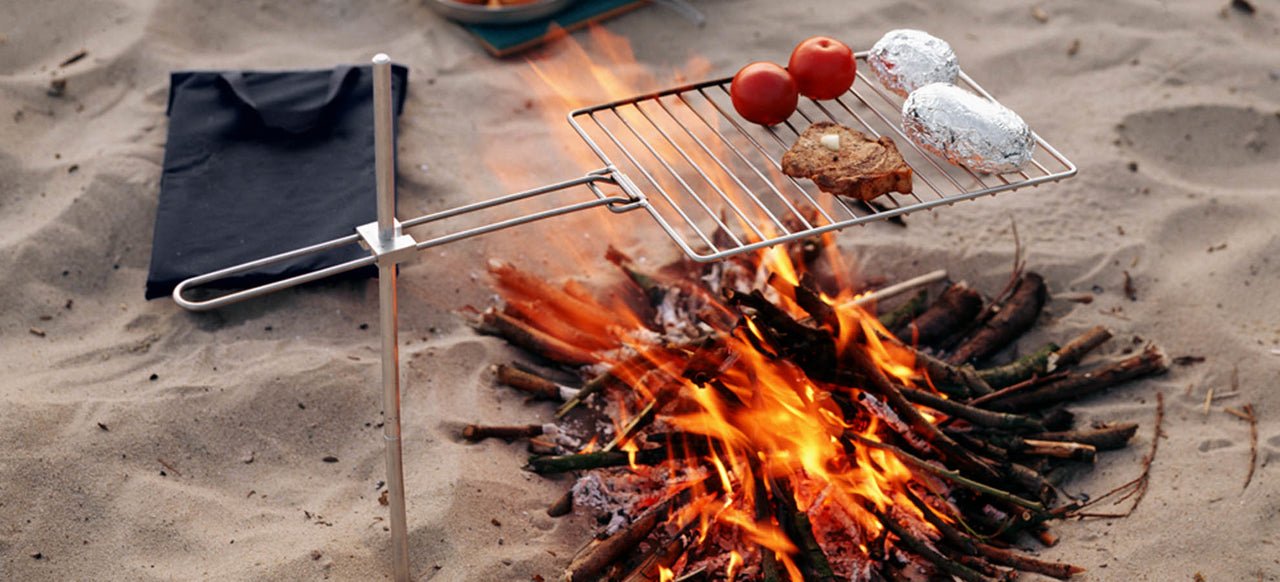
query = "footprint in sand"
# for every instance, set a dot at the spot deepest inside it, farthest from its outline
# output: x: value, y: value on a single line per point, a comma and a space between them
x: 1214, y: 444
x: 1217, y: 145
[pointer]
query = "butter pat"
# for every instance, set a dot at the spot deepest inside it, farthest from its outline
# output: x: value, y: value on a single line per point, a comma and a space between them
x: 831, y: 141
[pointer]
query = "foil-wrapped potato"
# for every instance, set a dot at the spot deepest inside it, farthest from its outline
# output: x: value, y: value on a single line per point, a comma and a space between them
x: 966, y: 129
x: 905, y: 60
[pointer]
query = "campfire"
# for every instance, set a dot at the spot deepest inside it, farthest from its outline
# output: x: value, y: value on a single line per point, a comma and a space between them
x: 759, y: 418
x: 748, y: 420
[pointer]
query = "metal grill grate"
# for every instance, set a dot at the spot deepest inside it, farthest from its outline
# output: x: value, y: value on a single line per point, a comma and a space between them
x: 714, y: 181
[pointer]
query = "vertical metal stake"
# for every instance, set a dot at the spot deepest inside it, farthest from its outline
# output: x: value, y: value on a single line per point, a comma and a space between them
x: 385, y: 171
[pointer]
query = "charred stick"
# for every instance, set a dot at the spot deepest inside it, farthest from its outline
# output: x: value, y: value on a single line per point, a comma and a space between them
x: 811, y: 302
x: 476, y: 432
x: 944, y: 374
x: 770, y: 569
x: 1150, y: 361
x: 1015, y: 317
x: 600, y: 554
x: 1000, y: 556
x: 563, y: 505
x: 795, y: 522
x: 906, y: 312
x: 1103, y: 439
x: 533, y: 340
x: 948, y: 474
x: 1078, y: 348
x: 636, y: 365
x: 954, y: 309
x: 637, y: 423
x: 1031, y: 480
x: 899, y: 403
x: 983, y: 445
x: 973, y: 414
x: 921, y: 548
x: 986, y: 568
x: 543, y: 446
x: 533, y: 384
x: 1034, y: 364
x: 660, y: 556
x: 956, y: 381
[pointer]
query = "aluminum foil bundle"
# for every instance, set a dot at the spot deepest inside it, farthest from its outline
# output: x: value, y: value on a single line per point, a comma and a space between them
x: 905, y: 60
x: 966, y: 129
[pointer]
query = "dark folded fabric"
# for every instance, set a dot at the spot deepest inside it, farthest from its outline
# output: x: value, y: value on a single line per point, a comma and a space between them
x: 259, y: 163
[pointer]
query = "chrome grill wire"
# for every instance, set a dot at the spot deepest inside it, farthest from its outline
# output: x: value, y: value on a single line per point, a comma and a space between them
x: 699, y: 168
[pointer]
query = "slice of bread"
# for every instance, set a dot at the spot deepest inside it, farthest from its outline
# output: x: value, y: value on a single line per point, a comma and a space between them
x: 861, y: 167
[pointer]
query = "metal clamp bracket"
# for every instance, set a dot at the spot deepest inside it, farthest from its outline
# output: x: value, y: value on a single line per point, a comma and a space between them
x: 398, y: 249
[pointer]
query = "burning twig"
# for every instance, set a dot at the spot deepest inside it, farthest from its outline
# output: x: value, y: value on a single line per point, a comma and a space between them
x: 973, y: 414
x: 795, y: 522
x: 599, y: 554
x: 532, y: 339
x: 1012, y: 559
x: 922, y: 549
x: 952, y: 476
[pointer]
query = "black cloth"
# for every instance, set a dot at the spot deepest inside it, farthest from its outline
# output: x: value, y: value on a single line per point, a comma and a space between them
x: 259, y: 163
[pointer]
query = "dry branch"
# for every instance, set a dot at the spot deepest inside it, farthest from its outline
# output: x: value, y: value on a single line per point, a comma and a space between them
x: 599, y: 554
x: 1016, y: 316
x: 476, y: 432
x: 1104, y: 439
x: 1076, y: 349
x: 530, y: 383
x: 532, y: 339
x: 1030, y: 365
x: 1150, y: 361
x: 954, y: 309
x: 972, y: 414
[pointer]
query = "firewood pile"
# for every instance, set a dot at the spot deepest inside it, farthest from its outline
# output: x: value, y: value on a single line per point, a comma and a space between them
x: 750, y: 420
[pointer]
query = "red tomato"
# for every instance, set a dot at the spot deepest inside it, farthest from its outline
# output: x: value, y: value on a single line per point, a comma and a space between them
x: 824, y: 68
x: 764, y: 93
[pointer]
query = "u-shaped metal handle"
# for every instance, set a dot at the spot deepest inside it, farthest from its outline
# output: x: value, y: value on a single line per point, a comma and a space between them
x: 632, y: 200
x: 237, y: 296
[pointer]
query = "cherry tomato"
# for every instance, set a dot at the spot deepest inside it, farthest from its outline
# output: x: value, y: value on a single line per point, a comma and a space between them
x: 764, y: 93
x: 824, y: 68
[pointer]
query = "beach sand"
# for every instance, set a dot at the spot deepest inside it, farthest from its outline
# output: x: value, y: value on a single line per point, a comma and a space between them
x: 142, y: 442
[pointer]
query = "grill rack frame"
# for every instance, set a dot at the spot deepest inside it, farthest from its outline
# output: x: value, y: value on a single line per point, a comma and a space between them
x: 866, y: 97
